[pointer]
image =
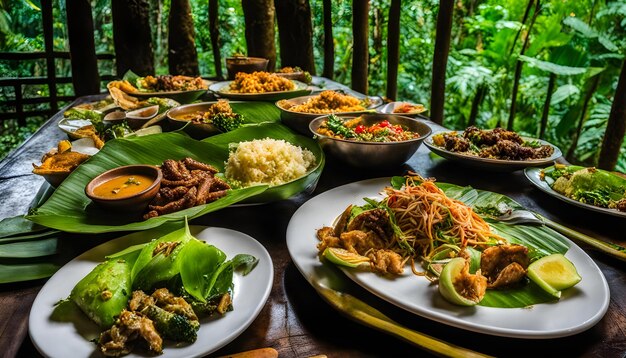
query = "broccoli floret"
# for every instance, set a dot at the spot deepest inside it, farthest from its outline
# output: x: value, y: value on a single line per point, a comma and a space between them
x: 227, y: 122
x: 173, y: 326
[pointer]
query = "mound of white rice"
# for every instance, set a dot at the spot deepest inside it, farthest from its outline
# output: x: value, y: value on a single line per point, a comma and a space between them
x: 267, y: 161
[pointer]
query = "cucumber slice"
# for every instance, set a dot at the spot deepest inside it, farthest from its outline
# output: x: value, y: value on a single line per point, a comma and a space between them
x: 554, y: 273
x: 454, y: 270
x: 344, y: 257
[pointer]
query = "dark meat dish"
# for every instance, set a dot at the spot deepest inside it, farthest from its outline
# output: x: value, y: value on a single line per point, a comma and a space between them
x: 496, y: 143
x: 186, y: 183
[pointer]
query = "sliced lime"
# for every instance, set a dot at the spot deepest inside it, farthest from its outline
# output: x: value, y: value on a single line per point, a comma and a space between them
x: 344, y: 257
x: 554, y: 273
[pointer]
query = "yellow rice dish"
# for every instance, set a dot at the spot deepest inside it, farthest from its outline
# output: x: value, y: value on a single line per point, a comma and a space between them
x: 260, y: 82
x: 328, y: 102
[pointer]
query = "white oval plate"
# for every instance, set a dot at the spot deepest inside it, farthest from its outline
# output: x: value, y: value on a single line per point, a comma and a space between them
x: 579, y: 308
x: 71, y: 339
x: 534, y: 176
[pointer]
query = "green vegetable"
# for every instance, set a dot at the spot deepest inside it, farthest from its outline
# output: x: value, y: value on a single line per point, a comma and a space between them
x: 171, y: 325
x: 336, y: 125
x: 227, y: 122
x: 105, y: 291
x: 82, y: 113
x: 199, y: 259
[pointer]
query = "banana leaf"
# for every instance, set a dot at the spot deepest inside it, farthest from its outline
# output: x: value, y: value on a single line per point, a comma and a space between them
x: 69, y: 209
x: 257, y: 112
x: 15, y: 272
x: 540, y: 240
x: 276, y: 131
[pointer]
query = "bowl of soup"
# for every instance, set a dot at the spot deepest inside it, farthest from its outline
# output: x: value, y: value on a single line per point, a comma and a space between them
x: 129, y: 188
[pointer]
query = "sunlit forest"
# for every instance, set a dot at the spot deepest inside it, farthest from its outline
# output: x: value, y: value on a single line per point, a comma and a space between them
x: 561, y: 58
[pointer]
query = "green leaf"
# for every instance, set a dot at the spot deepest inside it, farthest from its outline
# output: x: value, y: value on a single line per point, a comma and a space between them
x: 16, y: 272
x: 131, y: 77
x: 198, y: 262
x: 581, y: 27
x: 552, y: 67
x: 244, y: 263
x: 69, y: 209
x: 221, y: 280
x: 257, y: 112
x: 564, y: 92
x: 29, y: 249
x: 18, y: 225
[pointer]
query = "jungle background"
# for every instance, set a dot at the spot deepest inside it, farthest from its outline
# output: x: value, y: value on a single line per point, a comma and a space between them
x: 564, y: 56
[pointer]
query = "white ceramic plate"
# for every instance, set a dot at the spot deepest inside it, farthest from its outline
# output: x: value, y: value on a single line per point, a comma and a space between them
x: 533, y: 174
x: 71, y: 339
x: 222, y: 89
x: 491, y: 163
x: 579, y: 308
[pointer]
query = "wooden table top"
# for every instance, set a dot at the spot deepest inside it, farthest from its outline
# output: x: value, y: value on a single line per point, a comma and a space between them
x: 295, y: 320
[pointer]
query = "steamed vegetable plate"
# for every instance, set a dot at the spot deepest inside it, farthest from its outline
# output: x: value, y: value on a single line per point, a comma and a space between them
x: 416, y: 222
x: 587, y: 185
x: 158, y: 291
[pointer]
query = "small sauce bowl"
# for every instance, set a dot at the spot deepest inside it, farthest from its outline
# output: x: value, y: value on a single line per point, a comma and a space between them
x: 129, y: 188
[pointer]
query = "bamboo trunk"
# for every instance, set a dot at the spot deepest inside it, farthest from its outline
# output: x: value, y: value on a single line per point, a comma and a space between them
x: 259, y: 17
x: 214, y: 32
x: 591, y: 89
x: 393, y: 49
x: 295, y: 31
x: 546, y: 106
x: 329, y: 45
x: 360, y: 54
x: 85, y: 77
x: 440, y: 60
x: 476, y: 103
x: 132, y: 37
x: 616, y: 126
x: 182, y: 55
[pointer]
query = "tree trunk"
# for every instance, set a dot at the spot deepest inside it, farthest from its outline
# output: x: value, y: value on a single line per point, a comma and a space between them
x: 214, y: 32
x: 182, y: 55
x: 156, y: 9
x: 48, y: 35
x: 616, y: 126
x: 476, y: 102
x: 440, y: 60
x: 259, y: 18
x: 546, y: 106
x: 519, y: 32
x: 591, y: 89
x: 393, y: 49
x: 518, y: 70
x: 85, y: 75
x: 295, y: 32
x: 329, y: 44
x: 360, y: 54
x: 132, y: 37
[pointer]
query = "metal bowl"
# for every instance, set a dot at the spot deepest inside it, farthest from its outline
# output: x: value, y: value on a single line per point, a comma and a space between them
x: 299, y: 121
x: 373, y: 154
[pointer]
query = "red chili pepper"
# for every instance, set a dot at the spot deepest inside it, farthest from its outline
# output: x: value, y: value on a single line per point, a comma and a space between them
x: 359, y: 129
x: 384, y: 124
x: 398, y: 129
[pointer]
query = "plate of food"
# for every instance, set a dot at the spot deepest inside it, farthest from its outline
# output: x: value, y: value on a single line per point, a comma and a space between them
x: 494, y: 149
x: 385, y: 245
x: 259, y: 86
x: 402, y: 109
x: 586, y: 187
x: 174, y: 321
x: 298, y: 112
x: 199, y: 177
x: 183, y: 89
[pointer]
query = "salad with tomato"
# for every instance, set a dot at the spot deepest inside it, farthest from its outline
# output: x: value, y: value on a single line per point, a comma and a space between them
x: 355, y: 129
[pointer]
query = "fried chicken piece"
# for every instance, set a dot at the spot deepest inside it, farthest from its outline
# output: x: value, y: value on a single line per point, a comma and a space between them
x: 194, y: 164
x: 139, y: 300
x: 504, y: 265
x: 130, y: 326
x: 327, y: 238
x: 386, y: 261
x: 187, y: 201
x: 174, y: 170
x: 360, y: 242
x: 376, y: 220
x: 472, y: 287
x: 166, y: 300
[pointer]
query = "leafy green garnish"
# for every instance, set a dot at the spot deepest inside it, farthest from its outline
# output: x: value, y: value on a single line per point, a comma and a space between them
x: 244, y: 263
x: 336, y: 125
x: 82, y: 113
x: 227, y: 122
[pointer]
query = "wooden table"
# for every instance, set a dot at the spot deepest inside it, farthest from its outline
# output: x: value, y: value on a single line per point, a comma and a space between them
x: 295, y: 321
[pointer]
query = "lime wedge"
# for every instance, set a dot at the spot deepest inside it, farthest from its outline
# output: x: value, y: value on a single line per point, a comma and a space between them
x: 344, y: 257
x: 554, y: 273
x: 455, y: 270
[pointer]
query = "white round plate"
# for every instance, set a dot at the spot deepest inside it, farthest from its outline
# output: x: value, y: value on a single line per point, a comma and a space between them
x: 534, y: 176
x: 579, y: 308
x: 71, y: 339
x: 222, y: 89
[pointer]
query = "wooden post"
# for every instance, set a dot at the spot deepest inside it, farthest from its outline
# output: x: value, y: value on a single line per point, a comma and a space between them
x: 393, y: 49
x: 360, y: 51
x: 295, y: 31
x: 132, y: 37
x: 440, y: 60
x: 182, y: 55
x: 546, y: 106
x: 46, y: 15
x: 616, y: 126
x: 85, y: 75
x: 259, y: 17
x: 214, y: 32
x: 329, y: 43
